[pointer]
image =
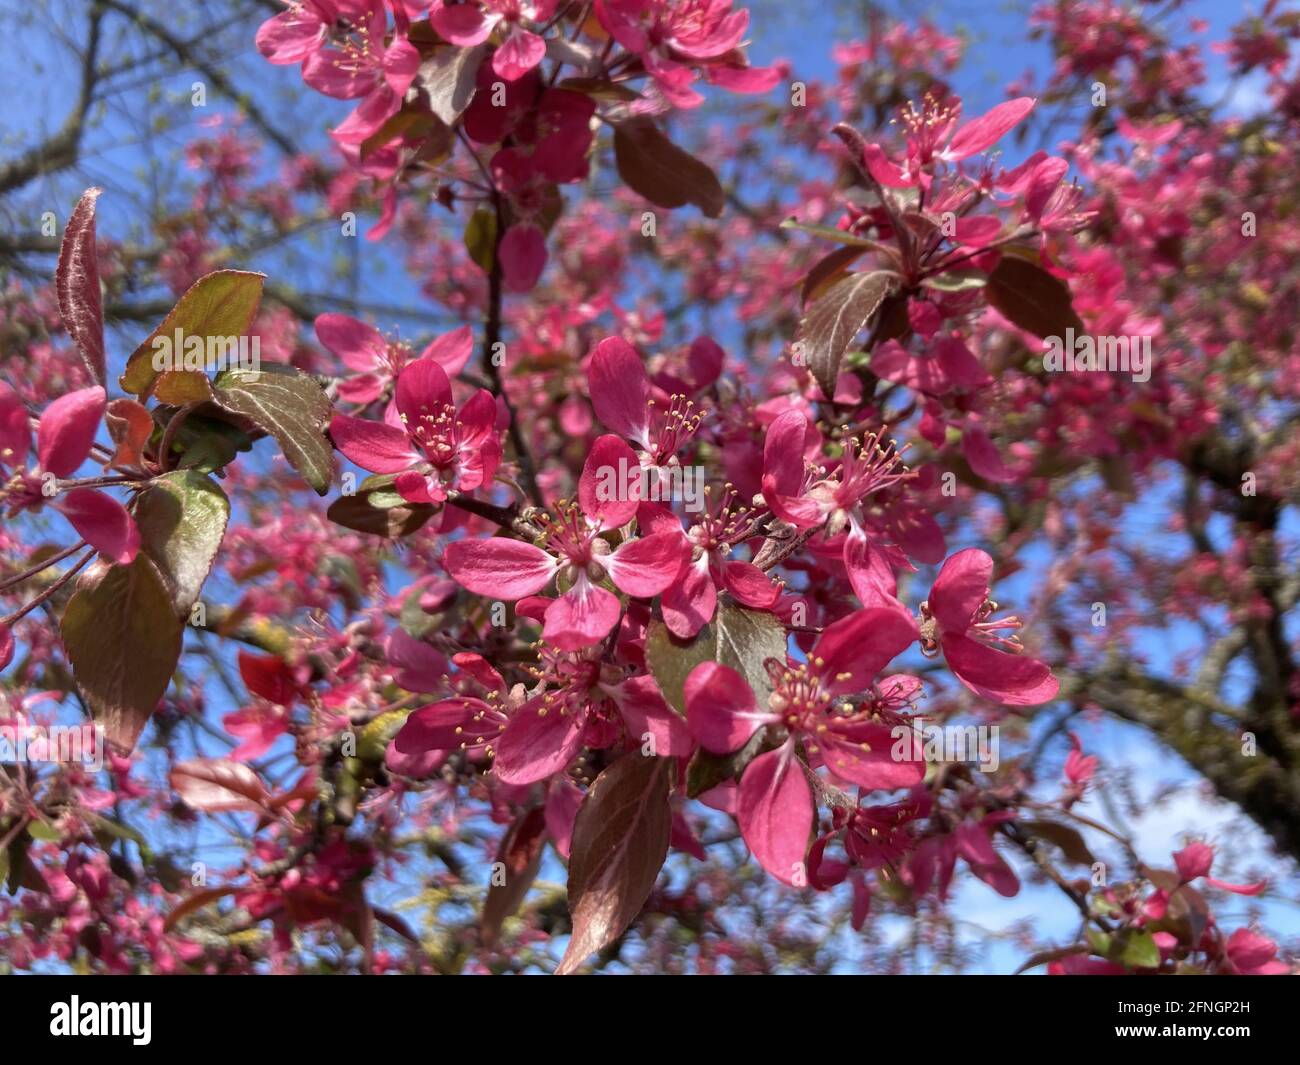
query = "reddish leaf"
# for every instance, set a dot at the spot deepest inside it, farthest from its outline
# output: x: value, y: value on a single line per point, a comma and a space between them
x: 77, y: 282
x: 216, y: 785
x: 267, y: 676
x: 1031, y: 298
x: 196, y: 900
x: 130, y: 426
x: 521, y: 855
x: 620, y: 840
x: 836, y: 317
x: 653, y: 166
x: 124, y: 640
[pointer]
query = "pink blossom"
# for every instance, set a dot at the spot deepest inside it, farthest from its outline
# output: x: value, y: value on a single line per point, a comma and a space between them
x: 957, y: 619
x: 431, y: 446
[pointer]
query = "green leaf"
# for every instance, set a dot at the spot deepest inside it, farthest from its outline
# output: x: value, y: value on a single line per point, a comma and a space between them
x: 222, y: 304
x: 1140, y: 950
x: 209, y: 444
x: 182, y: 517
x: 1027, y: 295
x: 481, y: 238
x: 354, y: 512
x: 1068, y: 839
x: 839, y: 236
x: 123, y: 639
x: 620, y: 841
x: 40, y: 830
x: 292, y: 408
x: 957, y: 281
x: 385, y: 500
x: 706, y: 770
x: 448, y: 79
x: 835, y: 319
x: 737, y: 637
x: 654, y: 167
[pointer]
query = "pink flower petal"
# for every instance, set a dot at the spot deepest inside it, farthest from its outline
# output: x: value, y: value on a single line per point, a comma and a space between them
x: 689, y: 602
x: 1013, y: 680
x: 102, y: 522
x: 373, y: 446
x: 775, y: 811
x: 499, y: 568
x: 644, y: 567
x: 523, y: 256
x: 851, y: 652
x: 610, y: 485
x: 359, y: 346
x: 518, y: 54
x: 539, y: 741
x: 15, y: 436
x: 422, y: 389
x: 647, y: 714
x: 620, y: 389
x: 452, y: 350
x: 984, y: 132
x: 416, y: 666
x: 720, y: 709
x: 582, y: 616
x: 960, y: 589
x: 462, y: 24
x: 67, y: 429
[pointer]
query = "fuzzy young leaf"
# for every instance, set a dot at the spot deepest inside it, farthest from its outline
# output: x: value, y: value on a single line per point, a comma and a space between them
x: 76, y: 280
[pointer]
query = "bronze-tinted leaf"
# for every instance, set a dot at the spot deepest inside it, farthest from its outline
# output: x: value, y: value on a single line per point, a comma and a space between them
x: 355, y: 512
x: 620, y: 841
x: 826, y: 271
x: 182, y: 518
x: 737, y: 637
x: 290, y: 406
x: 123, y: 639
x: 1028, y: 296
x: 1068, y: 839
x: 519, y: 857
x: 219, y: 784
x: 654, y: 167
x: 221, y: 304
x: 836, y: 317
x: 448, y: 78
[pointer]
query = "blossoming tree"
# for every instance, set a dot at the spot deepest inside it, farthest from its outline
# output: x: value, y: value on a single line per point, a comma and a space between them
x: 422, y: 656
